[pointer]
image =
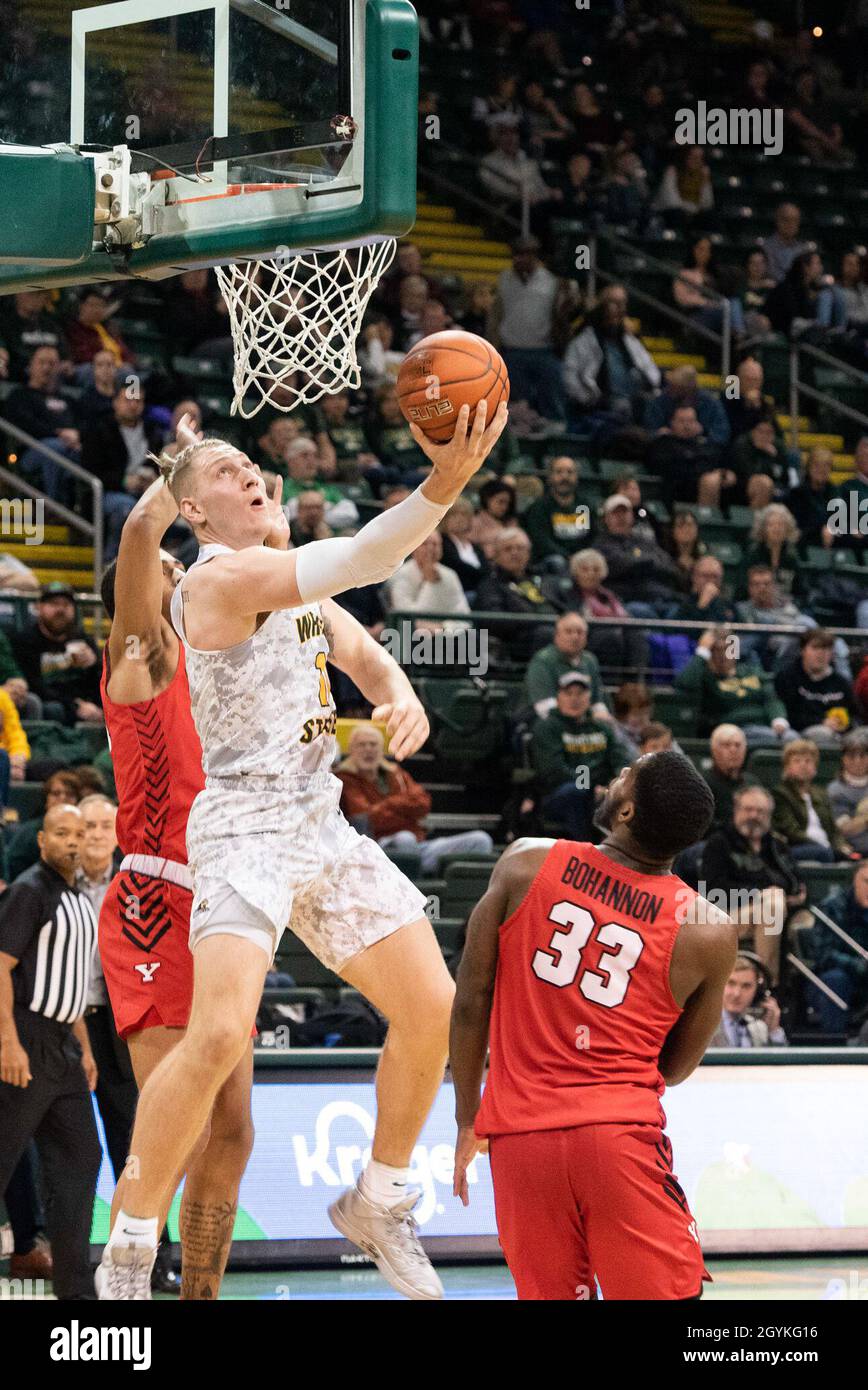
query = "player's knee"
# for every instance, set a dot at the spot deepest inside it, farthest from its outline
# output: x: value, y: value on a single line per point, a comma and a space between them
x: 427, y: 1014
x: 219, y: 1041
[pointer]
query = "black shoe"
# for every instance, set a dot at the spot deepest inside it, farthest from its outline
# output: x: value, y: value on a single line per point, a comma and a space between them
x: 163, y: 1277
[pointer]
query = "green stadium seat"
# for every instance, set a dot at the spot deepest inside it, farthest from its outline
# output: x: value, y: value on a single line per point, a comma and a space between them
x: 727, y: 552
x: 820, y: 879
x: 676, y: 710
x: 466, y: 882
x: 316, y: 998
x: 468, y: 725
x: 304, y: 967
x: 658, y: 510
x: 819, y: 558
x: 27, y: 798
x: 201, y: 368
x: 766, y: 765
x: 94, y: 735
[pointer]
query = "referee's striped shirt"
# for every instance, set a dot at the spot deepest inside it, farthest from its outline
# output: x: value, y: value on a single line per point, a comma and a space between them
x: 49, y: 927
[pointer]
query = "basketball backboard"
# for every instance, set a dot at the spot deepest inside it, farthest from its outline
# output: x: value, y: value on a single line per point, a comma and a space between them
x: 222, y: 129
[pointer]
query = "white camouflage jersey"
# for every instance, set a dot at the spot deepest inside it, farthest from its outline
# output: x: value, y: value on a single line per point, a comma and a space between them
x: 263, y: 707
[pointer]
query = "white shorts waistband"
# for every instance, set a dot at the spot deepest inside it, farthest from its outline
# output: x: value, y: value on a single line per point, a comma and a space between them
x: 168, y: 869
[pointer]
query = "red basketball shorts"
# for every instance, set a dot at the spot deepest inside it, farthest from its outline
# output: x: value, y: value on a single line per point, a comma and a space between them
x: 144, y: 929
x: 594, y: 1212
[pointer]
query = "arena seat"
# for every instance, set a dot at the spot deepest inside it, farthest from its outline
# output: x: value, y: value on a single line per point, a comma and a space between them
x: 766, y: 764
x: 295, y: 958
x: 466, y: 882
x: 820, y: 879
x: 468, y: 725
x: 677, y: 710
x: 27, y: 798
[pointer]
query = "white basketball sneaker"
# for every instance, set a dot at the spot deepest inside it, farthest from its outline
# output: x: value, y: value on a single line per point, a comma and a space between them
x: 124, y: 1272
x: 391, y: 1237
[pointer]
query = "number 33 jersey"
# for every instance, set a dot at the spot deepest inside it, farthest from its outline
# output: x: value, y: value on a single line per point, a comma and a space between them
x: 582, y: 1003
x: 263, y: 707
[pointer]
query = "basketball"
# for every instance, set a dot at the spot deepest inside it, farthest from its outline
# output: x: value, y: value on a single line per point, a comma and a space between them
x: 446, y: 371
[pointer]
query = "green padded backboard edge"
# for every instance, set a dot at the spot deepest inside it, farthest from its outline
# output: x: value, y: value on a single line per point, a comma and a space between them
x: 387, y: 208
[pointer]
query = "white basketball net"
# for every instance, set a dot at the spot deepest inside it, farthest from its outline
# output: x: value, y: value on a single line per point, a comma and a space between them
x: 295, y: 318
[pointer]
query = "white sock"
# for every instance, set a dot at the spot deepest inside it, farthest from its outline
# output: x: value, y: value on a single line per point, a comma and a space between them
x: 134, y: 1230
x: 383, y: 1185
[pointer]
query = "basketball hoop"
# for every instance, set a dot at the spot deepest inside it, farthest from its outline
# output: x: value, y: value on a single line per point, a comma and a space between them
x: 295, y: 318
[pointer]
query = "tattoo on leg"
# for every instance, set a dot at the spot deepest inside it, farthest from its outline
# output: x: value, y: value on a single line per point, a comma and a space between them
x: 206, y: 1235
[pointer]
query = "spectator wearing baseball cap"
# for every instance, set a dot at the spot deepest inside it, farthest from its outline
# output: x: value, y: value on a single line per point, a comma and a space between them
x: 575, y: 757
x: 60, y: 664
x: 646, y: 580
x: 566, y: 653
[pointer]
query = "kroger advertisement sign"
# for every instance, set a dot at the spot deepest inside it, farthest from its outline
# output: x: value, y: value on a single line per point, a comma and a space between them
x: 771, y: 1158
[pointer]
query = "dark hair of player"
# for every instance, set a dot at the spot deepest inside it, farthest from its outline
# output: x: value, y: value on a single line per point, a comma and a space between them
x: 673, y: 805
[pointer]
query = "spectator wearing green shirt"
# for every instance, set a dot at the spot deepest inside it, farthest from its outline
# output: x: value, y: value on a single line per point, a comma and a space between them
x: 575, y: 757
x: 391, y: 438
x: 567, y: 652
x: 558, y: 523
x: 356, y: 461
x: 275, y: 439
x: 726, y: 690
x: 303, y: 467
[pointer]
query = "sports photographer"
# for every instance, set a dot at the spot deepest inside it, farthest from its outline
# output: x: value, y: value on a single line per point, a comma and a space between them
x: 751, y: 1015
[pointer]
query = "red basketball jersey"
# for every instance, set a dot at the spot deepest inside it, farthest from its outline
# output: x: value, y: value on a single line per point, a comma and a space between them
x: 582, y: 1003
x: 157, y: 760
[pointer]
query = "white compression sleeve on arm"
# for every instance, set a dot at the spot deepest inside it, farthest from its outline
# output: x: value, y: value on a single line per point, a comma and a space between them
x: 324, y: 568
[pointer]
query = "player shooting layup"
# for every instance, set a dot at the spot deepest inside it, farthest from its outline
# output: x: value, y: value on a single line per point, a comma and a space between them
x: 601, y: 974
x: 145, y: 917
x: 269, y: 848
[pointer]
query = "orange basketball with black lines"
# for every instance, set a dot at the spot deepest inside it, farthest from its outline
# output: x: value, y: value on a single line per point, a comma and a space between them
x: 446, y: 371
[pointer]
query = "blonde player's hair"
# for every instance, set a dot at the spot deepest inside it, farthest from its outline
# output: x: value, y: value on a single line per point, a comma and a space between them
x: 175, y: 469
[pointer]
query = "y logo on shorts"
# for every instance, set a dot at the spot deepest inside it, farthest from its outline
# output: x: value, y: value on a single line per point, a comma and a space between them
x: 147, y: 970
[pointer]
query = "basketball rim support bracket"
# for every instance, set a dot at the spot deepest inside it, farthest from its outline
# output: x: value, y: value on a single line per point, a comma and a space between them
x: 139, y: 231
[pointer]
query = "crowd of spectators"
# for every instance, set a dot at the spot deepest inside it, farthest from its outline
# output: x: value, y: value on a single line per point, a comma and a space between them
x: 538, y: 538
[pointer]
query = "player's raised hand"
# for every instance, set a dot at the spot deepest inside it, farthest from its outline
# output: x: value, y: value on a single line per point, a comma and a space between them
x: 456, y: 461
x: 186, y: 432
x: 406, y: 724
x: 467, y: 1146
x: 278, y: 535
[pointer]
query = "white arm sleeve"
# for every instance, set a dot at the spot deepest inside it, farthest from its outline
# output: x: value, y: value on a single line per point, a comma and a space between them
x: 326, y: 568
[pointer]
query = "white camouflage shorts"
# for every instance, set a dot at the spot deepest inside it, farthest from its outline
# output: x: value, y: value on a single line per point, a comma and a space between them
x: 284, y: 847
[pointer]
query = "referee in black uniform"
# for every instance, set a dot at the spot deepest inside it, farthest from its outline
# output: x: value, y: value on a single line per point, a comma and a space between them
x: 47, y: 1071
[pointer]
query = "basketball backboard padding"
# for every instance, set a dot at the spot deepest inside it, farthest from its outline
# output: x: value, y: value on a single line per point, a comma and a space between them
x: 371, y: 195
x: 48, y: 197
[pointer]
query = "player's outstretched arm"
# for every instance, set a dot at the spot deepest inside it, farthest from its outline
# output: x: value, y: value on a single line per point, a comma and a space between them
x: 380, y: 679
x: 139, y: 574
x: 715, y: 945
x: 260, y: 580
